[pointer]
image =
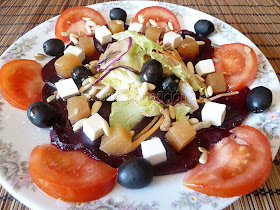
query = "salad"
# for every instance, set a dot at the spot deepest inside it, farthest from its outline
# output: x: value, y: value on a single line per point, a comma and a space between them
x: 128, y: 69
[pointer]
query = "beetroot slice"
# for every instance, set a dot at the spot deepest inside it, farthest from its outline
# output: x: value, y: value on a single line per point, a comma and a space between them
x: 205, y: 51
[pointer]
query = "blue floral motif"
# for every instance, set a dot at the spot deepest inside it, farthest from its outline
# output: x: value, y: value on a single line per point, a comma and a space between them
x: 194, y: 200
x: 269, y: 123
x: 12, y: 169
x: 51, y: 26
x: 224, y: 30
x: 18, y: 50
x: 111, y: 204
x: 265, y: 72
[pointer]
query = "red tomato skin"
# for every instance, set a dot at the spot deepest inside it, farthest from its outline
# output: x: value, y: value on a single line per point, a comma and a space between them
x: 72, y: 183
x: 238, y: 186
x: 21, y: 82
x: 246, y: 62
x: 164, y: 15
x: 73, y: 15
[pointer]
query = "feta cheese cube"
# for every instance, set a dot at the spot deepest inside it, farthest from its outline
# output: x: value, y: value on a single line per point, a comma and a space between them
x: 173, y: 38
x: 67, y: 88
x: 205, y: 67
x: 214, y: 112
x: 138, y: 27
x: 77, y: 51
x: 103, y: 35
x: 154, y: 151
x: 93, y: 126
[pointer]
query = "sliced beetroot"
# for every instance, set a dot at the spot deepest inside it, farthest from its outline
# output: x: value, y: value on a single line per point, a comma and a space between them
x: 205, y: 51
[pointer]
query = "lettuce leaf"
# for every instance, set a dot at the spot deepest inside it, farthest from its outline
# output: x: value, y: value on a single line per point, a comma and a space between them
x: 181, y: 110
x: 125, y: 113
x: 149, y: 107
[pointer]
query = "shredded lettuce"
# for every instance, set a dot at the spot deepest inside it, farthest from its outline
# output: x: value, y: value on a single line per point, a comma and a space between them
x: 125, y: 113
x: 181, y: 110
x: 149, y: 107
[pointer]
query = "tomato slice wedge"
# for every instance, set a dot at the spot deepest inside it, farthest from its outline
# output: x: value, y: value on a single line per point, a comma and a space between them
x: 71, y: 21
x: 233, y: 169
x: 70, y: 175
x: 239, y: 64
x: 21, y: 83
x: 159, y: 14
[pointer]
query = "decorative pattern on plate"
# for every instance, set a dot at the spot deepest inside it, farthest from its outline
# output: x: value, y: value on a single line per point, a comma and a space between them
x: 224, y: 30
x: 111, y: 204
x: 269, y: 123
x: 265, y: 72
x: 18, y: 49
x: 195, y: 200
x: 51, y: 26
x: 14, y: 170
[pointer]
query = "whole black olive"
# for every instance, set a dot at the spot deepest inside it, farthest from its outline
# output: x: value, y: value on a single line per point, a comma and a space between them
x: 53, y: 47
x: 204, y: 27
x: 118, y: 14
x: 151, y: 72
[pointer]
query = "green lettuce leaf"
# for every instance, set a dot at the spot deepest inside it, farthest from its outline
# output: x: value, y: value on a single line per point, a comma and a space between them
x: 125, y: 113
x: 149, y: 107
x: 181, y: 110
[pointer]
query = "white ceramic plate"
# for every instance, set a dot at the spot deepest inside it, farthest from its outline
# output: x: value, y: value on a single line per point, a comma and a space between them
x: 18, y: 136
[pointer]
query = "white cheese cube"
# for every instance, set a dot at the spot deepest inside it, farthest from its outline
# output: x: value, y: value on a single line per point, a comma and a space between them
x: 77, y: 51
x: 214, y: 112
x: 154, y: 151
x: 103, y: 35
x: 173, y: 38
x: 93, y: 126
x: 138, y: 27
x: 205, y: 67
x: 67, y: 88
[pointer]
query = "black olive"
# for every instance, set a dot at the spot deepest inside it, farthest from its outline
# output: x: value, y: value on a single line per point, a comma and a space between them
x: 151, y: 72
x: 169, y: 87
x: 80, y: 73
x: 53, y: 47
x: 204, y: 27
x: 135, y: 173
x: 259, y: 99
x: 41, y: 114
x: 118, y: 14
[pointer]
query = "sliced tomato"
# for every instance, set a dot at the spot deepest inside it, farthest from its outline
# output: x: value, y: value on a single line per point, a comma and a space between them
x: 233, y: 169
x: 70, y: 175
x: 21, y: 82
x: 71, y: 21
x: 159, y: 14
x: 239, y: 64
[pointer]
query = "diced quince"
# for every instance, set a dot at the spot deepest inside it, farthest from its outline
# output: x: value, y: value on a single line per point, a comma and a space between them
x: 118, y: 142
x: 180, y: 134
x: 78, y: 108
x: 87, y: 44
x: 65, y: 64
x: 116, y: 26
x: 153, y: 33
x: 217, y: 81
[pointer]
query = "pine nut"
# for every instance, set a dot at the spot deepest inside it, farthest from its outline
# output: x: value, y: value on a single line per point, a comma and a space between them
x: 50, y: 98
x: 78, y: 125
x: 193, y: 121
x: 96, y: 107
x: 64, y: 34
x: 203, y: 158
x: 141, y: 18
x: 200, y: 42
x: 206, y: 124
x: 86, y: 18
x: 85, y: 87
x: 143, y: 90
x: 172, y: 112
x: 202, y: 149
x: 90, y: 23
x: 88, y: 28
x: 209, y: 91
x: 151, y: 86
x: 132, y: 132
x: 74, y: 40
x: 200, y: 78
x: 74, y: 35
x: 153, y: 22
x: 170, y: 25
x: 197, y: 126
x: 188, y: 36
x: 190, y: 66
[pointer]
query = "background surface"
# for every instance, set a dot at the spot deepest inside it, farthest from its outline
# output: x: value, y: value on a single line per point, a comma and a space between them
x: 259, y: 20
